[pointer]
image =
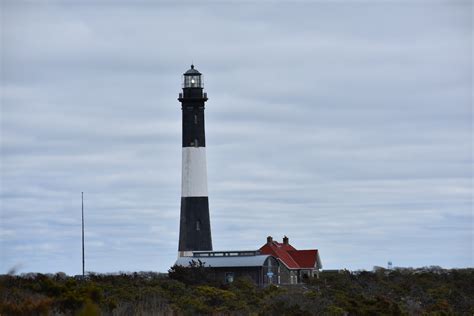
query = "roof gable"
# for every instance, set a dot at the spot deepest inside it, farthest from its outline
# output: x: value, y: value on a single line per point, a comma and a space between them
x: 280, y: 253
x: 292, y: 258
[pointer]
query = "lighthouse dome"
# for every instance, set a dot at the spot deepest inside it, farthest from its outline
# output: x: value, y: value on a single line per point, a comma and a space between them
x: 192, y: 72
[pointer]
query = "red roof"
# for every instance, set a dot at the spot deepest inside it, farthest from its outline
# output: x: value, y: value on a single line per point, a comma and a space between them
x: 305, y: 258
x: 292, y: 258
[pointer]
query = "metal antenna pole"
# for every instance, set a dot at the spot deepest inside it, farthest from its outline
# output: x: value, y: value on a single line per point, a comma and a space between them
x: 83, y: 261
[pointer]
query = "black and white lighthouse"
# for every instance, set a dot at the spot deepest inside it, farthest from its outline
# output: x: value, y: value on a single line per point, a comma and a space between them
x: 195, y: 226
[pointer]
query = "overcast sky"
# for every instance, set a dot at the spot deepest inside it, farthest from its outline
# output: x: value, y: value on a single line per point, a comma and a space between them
x: 346, y: 126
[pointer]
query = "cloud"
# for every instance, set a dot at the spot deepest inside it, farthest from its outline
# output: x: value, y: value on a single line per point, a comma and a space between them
x: 346, y: 126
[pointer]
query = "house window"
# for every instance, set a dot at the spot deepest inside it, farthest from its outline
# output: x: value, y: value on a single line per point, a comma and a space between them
x: 229, y: 277
x: 305, y: 275
x: 198, y: 225
x: 293, y: 278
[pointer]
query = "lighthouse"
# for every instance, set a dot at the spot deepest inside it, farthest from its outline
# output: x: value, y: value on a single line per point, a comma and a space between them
x: 195, y: 226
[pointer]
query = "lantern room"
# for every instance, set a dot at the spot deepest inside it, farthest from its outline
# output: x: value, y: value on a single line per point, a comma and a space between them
x: 192, y: 78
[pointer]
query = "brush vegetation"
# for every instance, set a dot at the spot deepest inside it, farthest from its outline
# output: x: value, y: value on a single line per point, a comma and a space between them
x: 426, y: 291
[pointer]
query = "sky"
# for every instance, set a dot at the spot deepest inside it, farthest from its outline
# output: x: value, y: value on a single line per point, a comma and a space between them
x: 345, y: 125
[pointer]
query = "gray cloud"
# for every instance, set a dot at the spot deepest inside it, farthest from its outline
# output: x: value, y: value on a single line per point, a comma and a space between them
x: 346, y: 126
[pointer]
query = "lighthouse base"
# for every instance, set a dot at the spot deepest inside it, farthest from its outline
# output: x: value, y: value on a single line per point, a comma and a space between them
x: 195, y: 227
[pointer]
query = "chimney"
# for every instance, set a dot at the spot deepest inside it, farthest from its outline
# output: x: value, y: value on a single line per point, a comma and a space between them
x: 285, y: 240
x: 269, y: 239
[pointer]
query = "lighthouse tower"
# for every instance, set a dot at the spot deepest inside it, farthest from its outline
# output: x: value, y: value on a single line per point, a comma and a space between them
x: 195, y: 227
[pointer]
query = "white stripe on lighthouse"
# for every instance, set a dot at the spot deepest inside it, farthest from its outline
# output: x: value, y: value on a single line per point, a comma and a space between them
x: 194, y: 173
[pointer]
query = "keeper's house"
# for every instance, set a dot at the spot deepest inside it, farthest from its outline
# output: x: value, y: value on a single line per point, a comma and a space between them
x: 295, y: 265
x: 273, y: 263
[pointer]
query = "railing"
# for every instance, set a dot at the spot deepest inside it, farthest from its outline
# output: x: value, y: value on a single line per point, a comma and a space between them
x: 234, y: 253
x: 203, y: 96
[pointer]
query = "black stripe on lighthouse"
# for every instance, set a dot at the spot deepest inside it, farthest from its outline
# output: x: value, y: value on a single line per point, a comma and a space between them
x: 195, y: 228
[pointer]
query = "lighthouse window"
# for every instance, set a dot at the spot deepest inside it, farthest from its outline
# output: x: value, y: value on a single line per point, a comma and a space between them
x: 198, y: 225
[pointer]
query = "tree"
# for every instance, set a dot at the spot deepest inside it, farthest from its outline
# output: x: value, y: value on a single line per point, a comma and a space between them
x: 196, y: 273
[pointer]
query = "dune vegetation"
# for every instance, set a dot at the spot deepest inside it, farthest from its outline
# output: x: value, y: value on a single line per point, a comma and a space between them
x: 426, y: 291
